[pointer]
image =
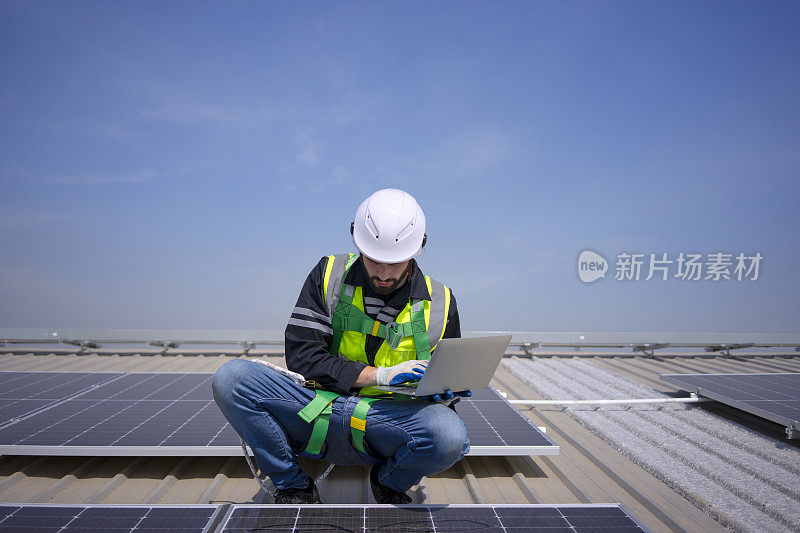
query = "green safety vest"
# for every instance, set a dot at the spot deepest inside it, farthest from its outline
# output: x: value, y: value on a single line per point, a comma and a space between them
x: 413, y: 335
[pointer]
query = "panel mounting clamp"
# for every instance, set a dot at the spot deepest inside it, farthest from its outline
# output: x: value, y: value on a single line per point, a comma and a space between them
x: 247, y: 346
x: 649, y: 348
x: 728, y: 347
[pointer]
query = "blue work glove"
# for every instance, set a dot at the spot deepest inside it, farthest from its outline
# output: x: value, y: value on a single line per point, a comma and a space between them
x: 397, y: 374
x: 448, y: 395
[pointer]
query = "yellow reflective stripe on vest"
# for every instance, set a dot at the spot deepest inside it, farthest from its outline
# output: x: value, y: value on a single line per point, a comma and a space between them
x: 440, y: 307
x: 335, y: 270
x: 328, y: 268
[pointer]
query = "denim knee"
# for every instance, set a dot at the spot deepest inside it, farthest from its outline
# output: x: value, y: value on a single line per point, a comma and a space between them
x: 225, y: 379
x: 449, y: 436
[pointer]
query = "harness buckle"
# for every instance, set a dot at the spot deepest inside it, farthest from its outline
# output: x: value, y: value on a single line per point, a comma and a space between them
x: 394, y: 334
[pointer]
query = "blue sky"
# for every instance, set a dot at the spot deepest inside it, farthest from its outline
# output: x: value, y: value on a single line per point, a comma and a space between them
x: 185, y: 164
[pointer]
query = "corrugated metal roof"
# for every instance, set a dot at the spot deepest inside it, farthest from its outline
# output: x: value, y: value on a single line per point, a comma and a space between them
x: 589, y: 469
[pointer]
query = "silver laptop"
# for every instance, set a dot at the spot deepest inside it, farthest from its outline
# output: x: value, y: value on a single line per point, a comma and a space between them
x: 458, y: 364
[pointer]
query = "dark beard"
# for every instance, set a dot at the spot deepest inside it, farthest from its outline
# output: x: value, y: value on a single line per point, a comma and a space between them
x: 384, y: 290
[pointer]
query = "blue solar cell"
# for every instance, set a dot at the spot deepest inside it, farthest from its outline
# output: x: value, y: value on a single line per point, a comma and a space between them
x: 272, y: 519
x: 22, y: 393
x: 417, y: 518
x: 151, y: 410
x: 775, y: 397
x: 492, y: 421
x: 68, y: 518
x: 412, y: 519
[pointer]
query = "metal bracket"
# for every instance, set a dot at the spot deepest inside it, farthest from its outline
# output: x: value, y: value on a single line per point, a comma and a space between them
x: 649, y: 349
x: 528, y: 346
x: 165, y: 344
x: 246, y: 346
x: 83, y: 345
x: 728, y: 347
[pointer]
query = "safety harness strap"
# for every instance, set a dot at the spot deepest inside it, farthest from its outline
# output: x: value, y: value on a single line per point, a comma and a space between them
x: 348, y: 317
x: 358, y: 422
x: 316, y: 406
x: 419, y: 331
x: 318, y: 433
x: 343, y: 309
x: 319, y: 411
x: 361, y: 322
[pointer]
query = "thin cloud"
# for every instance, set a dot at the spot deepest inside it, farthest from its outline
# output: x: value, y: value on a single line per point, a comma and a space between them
x: 191, y: 113
x: 15, y: 173
x: 105, y: 179
x: 23, y: 220
x: 307, y: 154
x: 468, y: 155
x: 319, y: 23
x: 477, y: 152
x: 171, y: 106
x: 336, y: 178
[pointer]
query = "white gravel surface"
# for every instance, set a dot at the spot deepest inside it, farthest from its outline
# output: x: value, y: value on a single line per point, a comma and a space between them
x: 748, y: 481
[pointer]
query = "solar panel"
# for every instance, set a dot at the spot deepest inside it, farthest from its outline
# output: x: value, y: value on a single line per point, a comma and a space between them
x: 139, y: 413
x: 495, y: 427
x: 174, y: 414
x: 775, y: 397
x: 418, y: 518
x: 45, y: 518
x: 25, y: 392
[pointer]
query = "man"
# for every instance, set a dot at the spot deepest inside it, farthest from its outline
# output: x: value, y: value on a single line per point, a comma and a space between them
x: 360, y: 321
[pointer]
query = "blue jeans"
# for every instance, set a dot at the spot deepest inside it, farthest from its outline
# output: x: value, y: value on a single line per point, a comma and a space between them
x: 409, y: 439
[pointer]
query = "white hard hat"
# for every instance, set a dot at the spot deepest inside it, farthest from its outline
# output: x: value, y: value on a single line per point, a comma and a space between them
x: 389, y: 227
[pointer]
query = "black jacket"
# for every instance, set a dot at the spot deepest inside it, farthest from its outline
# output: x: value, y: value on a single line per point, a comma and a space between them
x: 309, y: 333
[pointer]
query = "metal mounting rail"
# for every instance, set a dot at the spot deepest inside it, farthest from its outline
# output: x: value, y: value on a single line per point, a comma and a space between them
x: 692, y: 399
x: 527, y: 342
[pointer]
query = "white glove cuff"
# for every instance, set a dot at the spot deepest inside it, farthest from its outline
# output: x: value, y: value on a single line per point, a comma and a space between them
x: 382, y: 375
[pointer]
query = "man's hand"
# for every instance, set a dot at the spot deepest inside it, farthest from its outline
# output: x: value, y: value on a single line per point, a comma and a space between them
x: 397, y: 374
x: 448, y: 395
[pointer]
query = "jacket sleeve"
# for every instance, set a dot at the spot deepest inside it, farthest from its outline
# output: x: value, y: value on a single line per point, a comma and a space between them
x: 453, y: 329
x: 309, y: 336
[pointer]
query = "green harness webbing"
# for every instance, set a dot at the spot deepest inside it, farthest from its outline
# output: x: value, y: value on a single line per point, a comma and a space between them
x: 358, y: 422
x: 319, y: 411
x: 348, y: 317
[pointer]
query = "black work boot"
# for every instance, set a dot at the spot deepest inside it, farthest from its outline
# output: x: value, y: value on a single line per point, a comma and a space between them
x: 384, y: 494
x: 298, y: 496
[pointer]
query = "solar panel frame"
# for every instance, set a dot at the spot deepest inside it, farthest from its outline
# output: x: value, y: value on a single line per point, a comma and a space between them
x: 120, y: 419
x: 45, y: 517
x: 488, y: 518
x: 747, y: 393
